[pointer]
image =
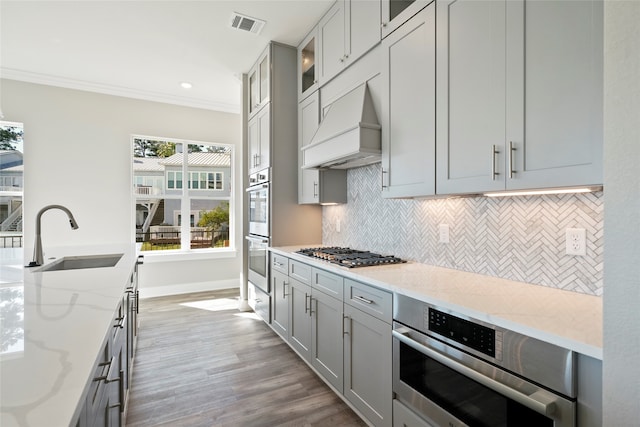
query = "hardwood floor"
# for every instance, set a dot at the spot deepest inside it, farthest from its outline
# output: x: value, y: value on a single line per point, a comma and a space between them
x: 201, y: 362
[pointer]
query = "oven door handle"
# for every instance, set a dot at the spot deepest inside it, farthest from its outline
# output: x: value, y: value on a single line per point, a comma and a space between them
x: 257, y: 239
x: 256, y: 187
x: 546, y: 407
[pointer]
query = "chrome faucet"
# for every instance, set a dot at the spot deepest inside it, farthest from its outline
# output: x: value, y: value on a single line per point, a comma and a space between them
x: 38, y: 256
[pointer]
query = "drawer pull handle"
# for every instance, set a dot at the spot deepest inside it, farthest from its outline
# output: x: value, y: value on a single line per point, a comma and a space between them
x: 362, y: 299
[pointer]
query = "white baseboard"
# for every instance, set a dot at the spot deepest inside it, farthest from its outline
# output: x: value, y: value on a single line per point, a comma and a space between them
x: 187, y: 288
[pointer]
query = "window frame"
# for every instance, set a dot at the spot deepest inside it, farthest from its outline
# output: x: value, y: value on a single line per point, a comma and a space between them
x: 186, y: 196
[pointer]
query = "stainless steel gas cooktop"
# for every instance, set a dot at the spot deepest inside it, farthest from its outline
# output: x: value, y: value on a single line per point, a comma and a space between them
x: 350, y: 258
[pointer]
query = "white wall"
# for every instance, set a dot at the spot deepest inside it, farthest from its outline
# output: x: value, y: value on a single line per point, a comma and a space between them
x: 621, y: 371
x: 78, y: 154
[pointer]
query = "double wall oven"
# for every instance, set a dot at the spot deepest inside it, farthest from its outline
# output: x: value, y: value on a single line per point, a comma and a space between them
x: 258, y: 241
x: 456, y: 371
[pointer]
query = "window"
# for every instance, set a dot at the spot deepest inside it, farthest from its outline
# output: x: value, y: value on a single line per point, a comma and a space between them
x: 11, y: 188
x: 175, y: 179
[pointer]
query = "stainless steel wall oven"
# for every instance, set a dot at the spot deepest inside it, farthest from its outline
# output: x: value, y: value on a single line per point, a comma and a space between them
x: 258, y: 192
x: 258, y: 241
x: 456, y: 371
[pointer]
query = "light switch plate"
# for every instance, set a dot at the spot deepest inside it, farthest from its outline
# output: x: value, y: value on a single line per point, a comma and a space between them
x: 443, y: 231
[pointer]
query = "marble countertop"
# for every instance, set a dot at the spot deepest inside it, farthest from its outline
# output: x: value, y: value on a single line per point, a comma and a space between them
x: 567, y: 319
x: 53, y: 324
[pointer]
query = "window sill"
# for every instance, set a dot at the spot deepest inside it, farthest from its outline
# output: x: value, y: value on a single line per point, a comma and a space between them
x: 192, y: 255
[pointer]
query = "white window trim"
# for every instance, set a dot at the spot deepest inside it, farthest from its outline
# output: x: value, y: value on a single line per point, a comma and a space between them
x: 200, y: 253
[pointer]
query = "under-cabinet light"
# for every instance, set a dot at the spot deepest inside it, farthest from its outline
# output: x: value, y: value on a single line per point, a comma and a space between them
x: 541, y: 192
x: 186, y: 85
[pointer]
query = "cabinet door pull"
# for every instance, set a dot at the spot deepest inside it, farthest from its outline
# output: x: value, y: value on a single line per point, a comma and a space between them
x: 362, y: 299
x: 107, y: 378
x: 311, y: 306
x: 494, y: 153
x: 284, y: 293
x: 382, y: 178
x: 306, y: 307
x: 344, y: 328
x: 511, y: 150
x: 315, y: 189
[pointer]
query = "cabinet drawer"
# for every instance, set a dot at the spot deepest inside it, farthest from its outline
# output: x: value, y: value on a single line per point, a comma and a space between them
x: 280, y: 263
x: 300, y: 271
x: 376, y: 302
x: 329, y: 283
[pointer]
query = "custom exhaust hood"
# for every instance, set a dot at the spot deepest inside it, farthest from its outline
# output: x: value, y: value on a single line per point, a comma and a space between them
x: 349, y: 135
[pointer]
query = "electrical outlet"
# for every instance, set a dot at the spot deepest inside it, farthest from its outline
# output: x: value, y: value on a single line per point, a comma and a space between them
x: 337, y: 225
x: 443, y: 231
x: 576, y: 241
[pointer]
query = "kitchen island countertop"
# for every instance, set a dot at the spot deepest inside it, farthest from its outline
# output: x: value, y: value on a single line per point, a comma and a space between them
x: 53, y: 325
x: 564, y: 318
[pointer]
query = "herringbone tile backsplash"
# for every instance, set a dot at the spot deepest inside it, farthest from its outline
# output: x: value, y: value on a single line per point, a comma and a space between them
x: 518, y: 238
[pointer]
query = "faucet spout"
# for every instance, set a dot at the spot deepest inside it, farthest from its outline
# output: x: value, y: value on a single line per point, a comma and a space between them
x: 38, y: 256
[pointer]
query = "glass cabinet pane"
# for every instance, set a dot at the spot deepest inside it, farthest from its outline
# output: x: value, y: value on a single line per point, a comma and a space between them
x: 253, y: 90
x: 308, y: 65
x: 264, y: 79
x: 397, y: 6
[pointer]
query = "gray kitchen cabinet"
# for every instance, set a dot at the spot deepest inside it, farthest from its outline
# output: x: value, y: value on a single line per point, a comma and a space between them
x: 280, y: 303
x: 345, y: 33
x: 259, y: 140
x: 408, y: 109
x: 519, y: 98
x: 104, y: 405
x: 308, y: 65
x: 367, y: 358
x: 314, y: 185
x: 342, y: 329
x: 397, y: 12
x: 259, y: 82
x: 327, y: 346
x: 300, y: 318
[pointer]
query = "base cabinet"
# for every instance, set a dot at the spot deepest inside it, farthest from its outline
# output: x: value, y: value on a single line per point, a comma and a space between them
x: 367, y: 351
x: 300, y: 318
x: 280, y: 303
x: 106, y: 400
x: 327, y: 343
x: 342, y: 329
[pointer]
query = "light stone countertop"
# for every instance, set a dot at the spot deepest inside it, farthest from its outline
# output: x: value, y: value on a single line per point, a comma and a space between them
x: 59, y: 320
x: 568, y: 319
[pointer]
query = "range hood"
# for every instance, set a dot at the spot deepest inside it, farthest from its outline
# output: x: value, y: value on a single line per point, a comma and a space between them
x: 349, y: 135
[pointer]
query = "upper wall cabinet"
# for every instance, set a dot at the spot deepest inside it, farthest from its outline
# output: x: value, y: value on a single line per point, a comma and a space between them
x: 408, y: 108
x: 397, y: 12
x: 519, y: 97
x: 259, y: 140
x: 307, y: 65
x: 259, y: 83
x: 346, y: 32
x: 316, y: 185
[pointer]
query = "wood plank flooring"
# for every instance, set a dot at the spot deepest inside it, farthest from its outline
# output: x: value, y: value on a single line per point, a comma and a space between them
x: 201, y: 362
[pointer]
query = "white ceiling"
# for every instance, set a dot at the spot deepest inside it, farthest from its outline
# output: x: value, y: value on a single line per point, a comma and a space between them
x: 145, y: 49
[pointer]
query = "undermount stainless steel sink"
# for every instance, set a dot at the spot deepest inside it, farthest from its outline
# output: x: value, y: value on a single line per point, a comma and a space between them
x: 80, y: 262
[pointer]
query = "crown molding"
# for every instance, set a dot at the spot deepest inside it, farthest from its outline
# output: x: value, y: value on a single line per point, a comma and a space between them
x: 51, y: 80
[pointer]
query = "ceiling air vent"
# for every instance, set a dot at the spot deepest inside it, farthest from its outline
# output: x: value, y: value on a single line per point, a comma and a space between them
x: 246, y: 23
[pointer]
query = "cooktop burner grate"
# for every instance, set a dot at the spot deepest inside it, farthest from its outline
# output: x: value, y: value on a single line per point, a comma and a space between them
x: 350, y: 258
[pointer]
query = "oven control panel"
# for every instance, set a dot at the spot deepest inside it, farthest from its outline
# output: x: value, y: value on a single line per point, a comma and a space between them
x: 469, y: 334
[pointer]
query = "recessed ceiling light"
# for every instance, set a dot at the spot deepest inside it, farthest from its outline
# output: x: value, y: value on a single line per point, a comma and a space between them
x: 186, y: 85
